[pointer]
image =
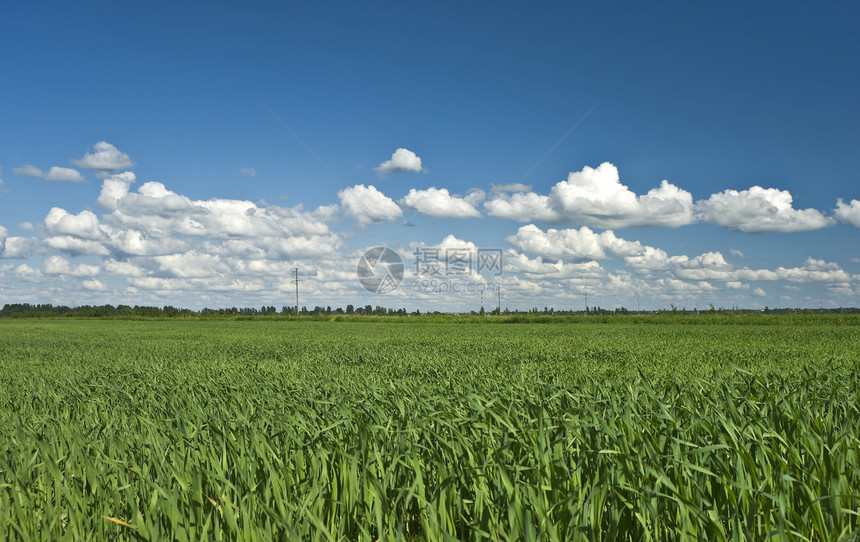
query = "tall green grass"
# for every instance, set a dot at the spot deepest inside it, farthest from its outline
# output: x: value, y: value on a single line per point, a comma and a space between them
x: 336, y: 431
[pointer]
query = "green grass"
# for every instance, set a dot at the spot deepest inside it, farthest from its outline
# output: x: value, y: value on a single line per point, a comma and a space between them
x: 267, y: 429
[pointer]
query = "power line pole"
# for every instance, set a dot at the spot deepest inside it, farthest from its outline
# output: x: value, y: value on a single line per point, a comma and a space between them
x: 297, y: 281
x: 500, y: 299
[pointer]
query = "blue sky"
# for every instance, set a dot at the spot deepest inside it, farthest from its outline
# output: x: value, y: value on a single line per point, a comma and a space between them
x: 194, y: 154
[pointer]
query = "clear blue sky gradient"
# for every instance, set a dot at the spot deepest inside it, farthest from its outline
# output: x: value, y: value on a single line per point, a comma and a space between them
x: 314, y: 96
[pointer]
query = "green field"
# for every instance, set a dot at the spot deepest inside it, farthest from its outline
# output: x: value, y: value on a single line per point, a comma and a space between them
x: 275, y: 429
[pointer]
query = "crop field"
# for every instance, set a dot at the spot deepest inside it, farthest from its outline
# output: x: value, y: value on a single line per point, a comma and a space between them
x: 264, y: 429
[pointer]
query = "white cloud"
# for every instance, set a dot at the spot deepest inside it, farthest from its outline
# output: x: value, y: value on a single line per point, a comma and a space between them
x: 193, y: 264
x: 848, y: 212
x: 158, y: 283
x: 656, y: 265
x: 27, y: 273
x: 15, y: 247
x: 366, y: 204
x: 124, y: 269
x: 596, y: 197
x: 85, y: 224
x: 64, y: 174
x: 759, y: 292
x: 56, y: 173
x: 93, y: 285
x: 29, y: 170
x: 401, y: 161
x: 438, y: 203
x: 513, y: 187
x: 114, y: 188
x: 814, y: 271
x: 249, y: 171
x: 134, y: 242
x: 736, y: 253
x: 75, y: 245
x: 759, y: 210
x: 145, y: 243
x: 155, y: 221
x: 515, y: 262
x: 581, y: 244
x: 105, y: 157
x: 521, y: 206
x: 57, y: 265
x: 1, y: 175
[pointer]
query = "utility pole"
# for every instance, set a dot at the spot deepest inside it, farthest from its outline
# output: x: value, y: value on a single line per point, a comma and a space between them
x: 297, y: 291
x: 586, y: 303
x: 500, y: 299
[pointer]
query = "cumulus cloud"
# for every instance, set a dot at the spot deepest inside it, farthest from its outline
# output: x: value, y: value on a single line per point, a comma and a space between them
x: 114, y: 188
x: 75, y: 245
x: 403, y: 160
x: 64, y: 174
x: 515, y: 262
x: 596, y: 197
x: 93, y: 285
x: 693, y: 273
x: 759, y: 210
x: 56, y: 173
x: 4, y: 234
x: 439, y: 203
x: 366, y: 204
x: 163, y: 213
x: 57, y: 265
x: 27, y: 273
x: 521, y: 206
x: 513, y: 187
x: 193, y: 264
x: 573, y: 244
x: 15, y: 247
x: 155, y: 222
x: 249, y: 171
x: 85, y: 224
x: 124, y: 269
x: 105, y: 157
x: 848, y: 213
x: 29, y: 170
x: 157, y: 246
x: 138, y: 243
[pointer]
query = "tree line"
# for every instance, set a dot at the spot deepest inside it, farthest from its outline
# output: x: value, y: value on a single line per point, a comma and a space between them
x: 28, y: 310
x: 25, y: 310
